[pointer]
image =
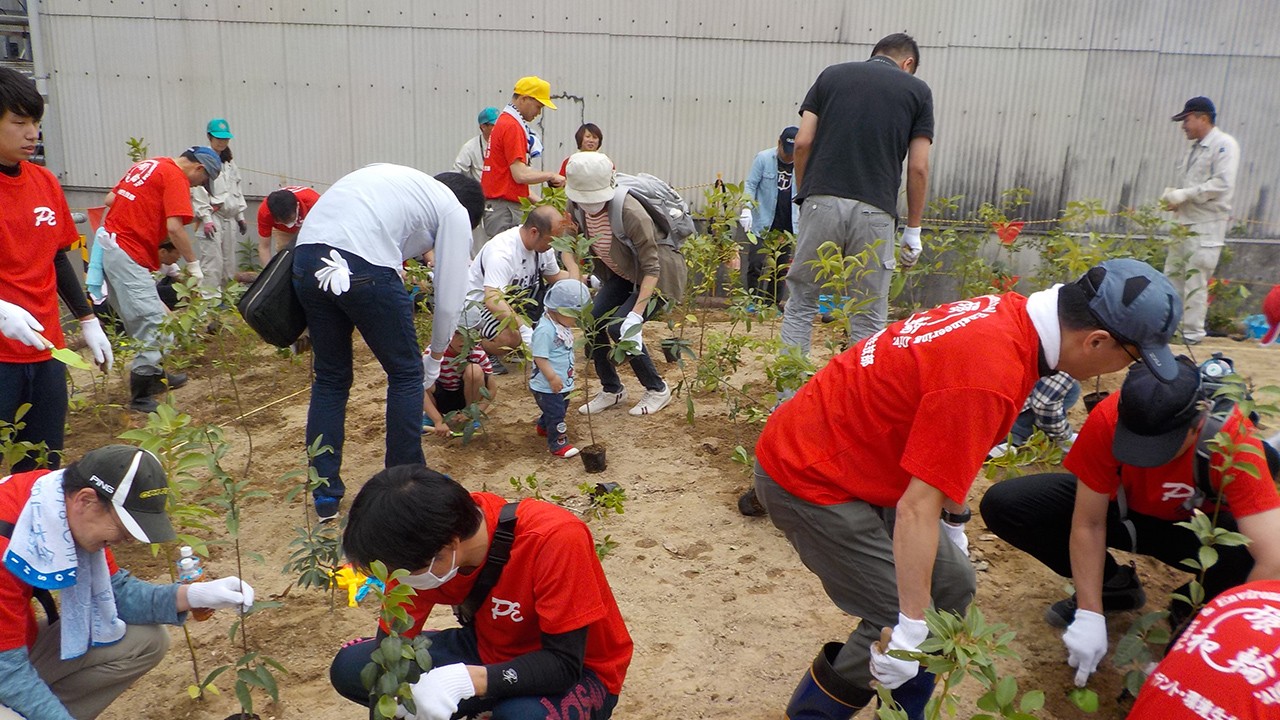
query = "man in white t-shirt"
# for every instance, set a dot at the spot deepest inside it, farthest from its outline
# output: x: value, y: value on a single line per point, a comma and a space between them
x: 507, y: 270
x: 348, y: 273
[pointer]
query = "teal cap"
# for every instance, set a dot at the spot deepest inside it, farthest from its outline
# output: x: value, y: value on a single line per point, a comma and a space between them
x: 219, y: 128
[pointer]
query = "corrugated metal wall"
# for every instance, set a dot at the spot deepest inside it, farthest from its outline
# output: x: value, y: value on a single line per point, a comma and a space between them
x: 1069, y: 99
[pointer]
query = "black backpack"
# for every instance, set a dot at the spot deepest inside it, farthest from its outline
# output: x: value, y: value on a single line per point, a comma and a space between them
x: 270, y: 306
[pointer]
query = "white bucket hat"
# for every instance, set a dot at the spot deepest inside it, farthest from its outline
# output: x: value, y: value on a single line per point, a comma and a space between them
x: 590, y: 178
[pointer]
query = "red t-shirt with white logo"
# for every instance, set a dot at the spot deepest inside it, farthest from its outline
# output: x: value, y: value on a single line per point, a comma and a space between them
x: 150, y: 193
x: 35, y: 225
x: 507, y: 144
x: 552, y: 584
x: 1225, y: 666
x: 1160, y: 492
x: 17, y: 613
x: 306, y: 198
x: 926, y: 397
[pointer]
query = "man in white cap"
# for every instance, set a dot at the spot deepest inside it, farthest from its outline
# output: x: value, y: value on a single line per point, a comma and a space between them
x: 56, y: 529
x: 1201, y: 202
x: 512, y: 145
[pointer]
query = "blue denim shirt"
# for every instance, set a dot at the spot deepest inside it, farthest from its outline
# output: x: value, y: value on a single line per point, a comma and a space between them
x: 762, y: 186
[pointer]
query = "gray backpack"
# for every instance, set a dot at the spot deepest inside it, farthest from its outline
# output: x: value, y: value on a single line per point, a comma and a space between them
x: 658, y: 194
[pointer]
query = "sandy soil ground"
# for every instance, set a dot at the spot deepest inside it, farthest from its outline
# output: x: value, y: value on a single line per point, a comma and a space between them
x: 725, y: 618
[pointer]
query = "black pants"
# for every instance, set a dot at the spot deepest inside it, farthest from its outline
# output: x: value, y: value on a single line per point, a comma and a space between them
x: 759, y: 277
x: 1033, y: 514
x: 617, y: 294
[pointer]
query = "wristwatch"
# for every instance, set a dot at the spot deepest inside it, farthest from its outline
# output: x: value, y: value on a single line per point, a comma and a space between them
x: 957, y: 518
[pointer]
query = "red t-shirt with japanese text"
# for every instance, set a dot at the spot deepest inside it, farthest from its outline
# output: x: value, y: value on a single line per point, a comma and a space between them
x: 17, y: 612
x: 1226, y: 665
x: 150, y: 193
x: 926, y: 397
x: 306, y: 198
x: 35, y: 225
x: 553, y: 583
x: 1160, y: 492
x: 507, y: 144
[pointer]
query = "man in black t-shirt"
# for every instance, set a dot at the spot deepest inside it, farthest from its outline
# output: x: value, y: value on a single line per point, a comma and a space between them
x: 770, y: 185
x: 858, y: 122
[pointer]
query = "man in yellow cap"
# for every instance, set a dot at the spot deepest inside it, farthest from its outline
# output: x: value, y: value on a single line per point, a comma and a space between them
x: 512, y: 144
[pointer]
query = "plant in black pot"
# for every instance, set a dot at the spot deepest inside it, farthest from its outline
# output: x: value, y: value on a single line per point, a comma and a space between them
x: 1092, y: 399
x: 593, y: 455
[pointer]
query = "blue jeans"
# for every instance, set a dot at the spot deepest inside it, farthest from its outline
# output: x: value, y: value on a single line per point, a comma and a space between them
x: 381, y: 309
x: 44, y: 386
x: 553, y: 407
x: 619, y: 295
x: 586, y: 700
x: 1026, y: 422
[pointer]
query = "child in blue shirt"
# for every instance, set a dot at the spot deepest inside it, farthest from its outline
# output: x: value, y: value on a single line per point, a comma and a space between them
x: 552, y: 377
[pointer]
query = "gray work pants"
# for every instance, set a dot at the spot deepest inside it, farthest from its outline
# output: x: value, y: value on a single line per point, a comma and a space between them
x: 1189, y: 266
x: 854, y: 226
x: 133, y: 291
x: 88, y: 684
x: 499, y: 215
x: 850, y: 548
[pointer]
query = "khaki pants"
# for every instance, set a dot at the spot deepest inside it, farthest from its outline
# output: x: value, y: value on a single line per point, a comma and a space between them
x: 219, y: 255
x: 89, y: 683
x: 1190, y: 268
x: 500, y: 215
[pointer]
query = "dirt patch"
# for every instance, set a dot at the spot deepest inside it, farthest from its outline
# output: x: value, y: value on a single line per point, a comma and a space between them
x: 725, y: 618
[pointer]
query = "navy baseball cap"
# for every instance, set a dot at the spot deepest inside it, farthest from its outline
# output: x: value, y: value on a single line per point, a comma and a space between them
x: 1138, y: 305
x: 1155, y: 416
x: 788, y: 138
x: 1198, y: 104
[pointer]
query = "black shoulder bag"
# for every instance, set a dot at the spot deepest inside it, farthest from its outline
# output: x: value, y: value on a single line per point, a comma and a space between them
x: 499, y: 554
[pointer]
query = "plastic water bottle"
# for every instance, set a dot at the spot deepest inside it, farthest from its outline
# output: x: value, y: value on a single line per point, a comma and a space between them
x: 191, y: 570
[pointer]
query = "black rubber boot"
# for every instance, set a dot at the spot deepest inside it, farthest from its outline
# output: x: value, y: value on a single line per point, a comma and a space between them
x: 824, y: 695
x: 163, y: 381
x: 141, y: 381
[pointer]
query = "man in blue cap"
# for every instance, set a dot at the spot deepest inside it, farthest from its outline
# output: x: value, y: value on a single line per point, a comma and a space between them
x: 1201, y: 202
x: 770, y: 186
x: 149, y: 206
x: 470, y: 162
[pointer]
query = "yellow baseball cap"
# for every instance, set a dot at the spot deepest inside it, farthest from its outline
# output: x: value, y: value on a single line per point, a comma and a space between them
x: 536, y: 88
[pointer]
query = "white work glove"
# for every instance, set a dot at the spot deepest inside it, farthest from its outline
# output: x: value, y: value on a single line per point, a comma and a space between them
x: 227, y: 592
x: 1086, y: 641
x: 910, y: 247
x: 438, y: 693
x: 633, y: 319
x: 526, y: 335
x: 98, y: 343
x: 193, y: 269
x: 171, y: 269
x: 18, y: 324
x: 209, y: 229
x: 336, y: 276
x: 1173, y: 197
x: 955, y: 533
x: 430, y: 369
x: 907, y: 635
x: 594, y: 282
x: 745, y: 220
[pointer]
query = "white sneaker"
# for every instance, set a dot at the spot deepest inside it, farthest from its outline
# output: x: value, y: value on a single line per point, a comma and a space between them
x: 653, y: 401
x: 603, y: 401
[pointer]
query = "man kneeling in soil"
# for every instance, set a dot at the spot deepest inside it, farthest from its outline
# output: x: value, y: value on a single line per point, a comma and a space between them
x: 1132, y: 477
x: 56, y: 529
x: 858, y: 468
x: 547, y: 640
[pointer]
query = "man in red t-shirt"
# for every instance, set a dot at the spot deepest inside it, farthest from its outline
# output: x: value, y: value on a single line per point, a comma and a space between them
x: 512, y: 144
x: 859, y: 466
x: 1133, y: 477
x: 1225, y: 664
x: 150, y: 204
x: 547, y: 640
x: 35, y: 228
x: 280, y: 218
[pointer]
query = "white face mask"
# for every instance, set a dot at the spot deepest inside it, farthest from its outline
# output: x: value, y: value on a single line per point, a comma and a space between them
x: 429, y: 581
x: 592, y: 208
